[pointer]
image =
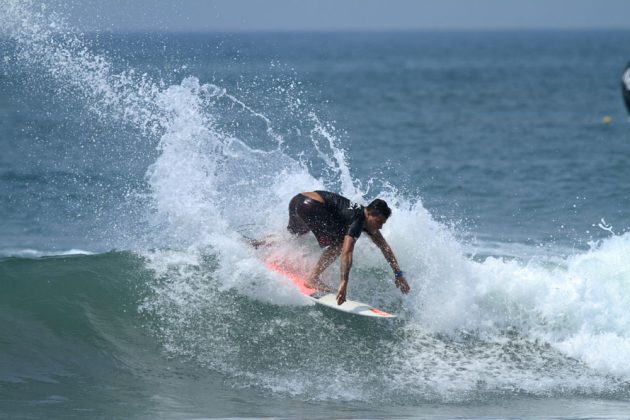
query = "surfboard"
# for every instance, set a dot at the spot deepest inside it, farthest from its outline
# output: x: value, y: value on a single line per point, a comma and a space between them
x: 328, y: 299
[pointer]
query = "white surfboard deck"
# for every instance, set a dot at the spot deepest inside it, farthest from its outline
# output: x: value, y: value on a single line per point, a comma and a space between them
x: 329, y: 299
x: 350, y: 306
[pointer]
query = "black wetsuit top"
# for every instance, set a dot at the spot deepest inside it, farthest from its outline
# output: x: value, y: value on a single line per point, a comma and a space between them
x: 345, y: 212
x: 330, y: 221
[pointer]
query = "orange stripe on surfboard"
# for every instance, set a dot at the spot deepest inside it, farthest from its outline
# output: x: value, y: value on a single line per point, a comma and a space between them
x: 299, y: 282
x: 379, y: 312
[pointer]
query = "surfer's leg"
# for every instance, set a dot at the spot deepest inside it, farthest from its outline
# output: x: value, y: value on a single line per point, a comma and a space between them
x: 329, y: 255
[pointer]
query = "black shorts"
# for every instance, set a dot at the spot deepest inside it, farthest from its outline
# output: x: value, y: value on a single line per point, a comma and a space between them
x: 306, y: 214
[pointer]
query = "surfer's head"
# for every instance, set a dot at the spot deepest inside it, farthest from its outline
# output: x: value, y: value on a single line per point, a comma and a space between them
x: 376, y: 214
x: 379, y: 207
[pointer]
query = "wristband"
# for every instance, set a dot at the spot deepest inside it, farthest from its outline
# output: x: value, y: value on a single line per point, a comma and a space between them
x: 398, y: 274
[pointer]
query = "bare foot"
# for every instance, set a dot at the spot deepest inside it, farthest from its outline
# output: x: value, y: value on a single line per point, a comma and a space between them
x: 257, y: 243
x: 262, y: 242
x: 318, y: 285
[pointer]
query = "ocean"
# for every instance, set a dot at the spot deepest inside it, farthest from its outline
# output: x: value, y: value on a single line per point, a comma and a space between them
x: 132, y: 165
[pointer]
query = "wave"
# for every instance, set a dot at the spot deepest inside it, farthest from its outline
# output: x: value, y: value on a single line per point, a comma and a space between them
x: 79, y: 305
x: 125, y: 311
x: 469, y: 329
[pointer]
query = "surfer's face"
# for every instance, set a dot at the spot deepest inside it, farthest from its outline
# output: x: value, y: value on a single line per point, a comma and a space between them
x: 373, y: 223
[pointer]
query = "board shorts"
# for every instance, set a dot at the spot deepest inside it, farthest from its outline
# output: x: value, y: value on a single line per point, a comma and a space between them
x: 306, y: 214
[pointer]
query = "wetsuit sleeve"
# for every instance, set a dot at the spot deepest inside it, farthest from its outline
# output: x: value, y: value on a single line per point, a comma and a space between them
x: 355, y: 228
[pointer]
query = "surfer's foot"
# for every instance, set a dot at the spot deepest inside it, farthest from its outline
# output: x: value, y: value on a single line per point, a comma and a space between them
x: 257, y: 243
x: 318, y: 285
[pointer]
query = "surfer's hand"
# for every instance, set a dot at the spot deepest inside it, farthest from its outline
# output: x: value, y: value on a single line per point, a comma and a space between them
x: 341, y: 293
x: 402, y: 284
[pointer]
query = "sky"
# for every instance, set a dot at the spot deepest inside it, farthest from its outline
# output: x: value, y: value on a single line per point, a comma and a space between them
x: 346, y: 15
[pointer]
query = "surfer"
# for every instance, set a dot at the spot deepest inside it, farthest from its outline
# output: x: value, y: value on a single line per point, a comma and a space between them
x: 337, y: 223
x: 625, y: 87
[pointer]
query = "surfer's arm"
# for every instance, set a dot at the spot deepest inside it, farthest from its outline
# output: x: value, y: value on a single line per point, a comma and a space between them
x: 346, y: 264
x: 382, y: 244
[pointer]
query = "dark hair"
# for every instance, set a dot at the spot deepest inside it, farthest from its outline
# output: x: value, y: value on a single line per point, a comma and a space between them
x: 379, y: 207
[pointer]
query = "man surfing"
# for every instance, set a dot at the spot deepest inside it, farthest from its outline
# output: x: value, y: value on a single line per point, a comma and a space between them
x: 337, y: 223
x: 625, y: 87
